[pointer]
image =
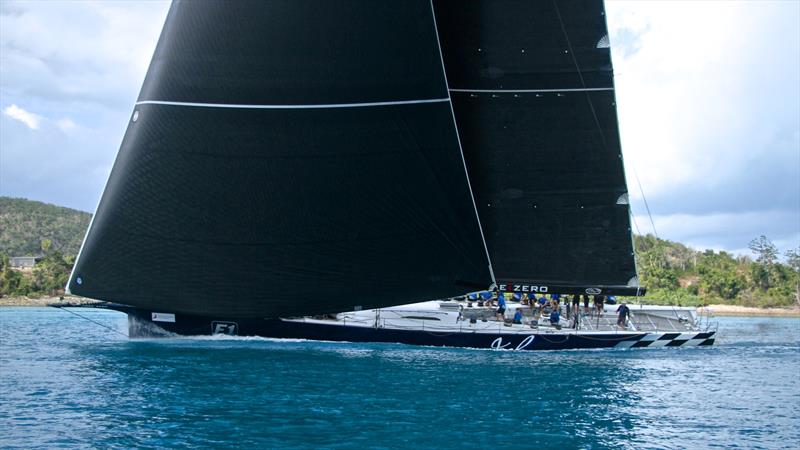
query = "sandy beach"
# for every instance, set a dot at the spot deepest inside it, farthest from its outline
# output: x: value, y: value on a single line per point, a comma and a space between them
x: 734, y: 310
x: 44, y: 301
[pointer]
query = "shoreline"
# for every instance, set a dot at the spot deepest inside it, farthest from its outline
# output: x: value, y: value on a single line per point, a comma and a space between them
x: 45, y: 301
x: 718, y: 310
x: 749, y: 311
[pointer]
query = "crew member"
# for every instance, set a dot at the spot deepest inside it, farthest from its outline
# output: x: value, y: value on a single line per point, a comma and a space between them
x: 501, y: 306
x: 576, y: 304
x: 624, y: 314
x: 542, y: 301
x: 598, y: 304
x: 555, y: 317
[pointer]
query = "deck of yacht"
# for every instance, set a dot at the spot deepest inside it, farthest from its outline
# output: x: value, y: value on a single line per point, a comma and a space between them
x: 449, y: 317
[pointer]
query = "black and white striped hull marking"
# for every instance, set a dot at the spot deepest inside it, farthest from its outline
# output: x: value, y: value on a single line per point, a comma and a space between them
x: 650, y: 340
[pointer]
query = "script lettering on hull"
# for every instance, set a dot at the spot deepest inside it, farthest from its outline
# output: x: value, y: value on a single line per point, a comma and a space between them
x: 498, y: 344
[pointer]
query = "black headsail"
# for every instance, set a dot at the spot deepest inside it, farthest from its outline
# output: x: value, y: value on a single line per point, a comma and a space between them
x: 533, y: 91
x: 287, y: 158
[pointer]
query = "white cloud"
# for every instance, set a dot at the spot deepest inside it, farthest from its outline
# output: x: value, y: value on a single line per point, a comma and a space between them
x: 35, y: 121
x: 65, y: 124
x: 53, y: 165
x: 78, y: 51
x: 79, y: 65
x: 28, y: 118
x: 704, y: 88
x: 708, y: 96
x: 726, y: 231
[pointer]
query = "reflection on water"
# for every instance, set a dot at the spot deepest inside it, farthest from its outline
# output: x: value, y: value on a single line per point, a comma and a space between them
x: 67, y: 382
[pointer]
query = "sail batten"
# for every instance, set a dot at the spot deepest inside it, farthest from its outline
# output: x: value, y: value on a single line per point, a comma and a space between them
x: 293, y: 106
x: 520, y: 91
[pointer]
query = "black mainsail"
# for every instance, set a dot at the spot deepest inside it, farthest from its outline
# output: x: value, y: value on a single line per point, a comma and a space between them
x: 287, y: 158
x: 533, y: 91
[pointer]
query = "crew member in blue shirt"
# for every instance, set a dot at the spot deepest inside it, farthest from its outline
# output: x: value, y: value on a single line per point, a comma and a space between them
x: 518, y: 316
x: 487, y: 297
x: 501, y: 306
x: 554, y: 317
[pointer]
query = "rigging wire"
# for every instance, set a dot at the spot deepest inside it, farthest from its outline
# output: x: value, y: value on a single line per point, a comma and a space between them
x: 90, y: 320
x: 647, y: 207
x: 460, y: 148
x: 596, y: 121
x: 594, y: 114
x: 602, y: 135
x: 580, y: 75
x: 633, y: 219
x: 635, y: 250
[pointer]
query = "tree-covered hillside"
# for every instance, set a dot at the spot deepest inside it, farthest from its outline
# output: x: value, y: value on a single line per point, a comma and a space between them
x: 672, y: 272
x: 676, y: 274
x: 29, y: 228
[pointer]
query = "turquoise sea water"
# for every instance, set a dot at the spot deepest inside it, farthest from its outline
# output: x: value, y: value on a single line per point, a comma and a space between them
x: 65, y: 382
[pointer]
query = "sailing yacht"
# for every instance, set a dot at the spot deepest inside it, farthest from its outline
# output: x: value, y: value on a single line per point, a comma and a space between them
x: 289, y: 160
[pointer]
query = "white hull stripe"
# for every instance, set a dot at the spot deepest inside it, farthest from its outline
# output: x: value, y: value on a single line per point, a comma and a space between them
x: 521, y: 91
x: 309, y: 106
x: 625, y: 344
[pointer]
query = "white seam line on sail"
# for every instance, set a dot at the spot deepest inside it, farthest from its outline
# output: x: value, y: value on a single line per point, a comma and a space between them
x: 308, y: 106
x: 512, y: 91
x: 460, y: 149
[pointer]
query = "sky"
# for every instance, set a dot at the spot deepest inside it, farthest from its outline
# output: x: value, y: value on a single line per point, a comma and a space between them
x: 708, y: 97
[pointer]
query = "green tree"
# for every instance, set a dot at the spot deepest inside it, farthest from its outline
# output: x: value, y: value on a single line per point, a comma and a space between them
x: 25, y: 224
x: 719, y: 276
x: 765, y: 250
x: 9, y: 279
x: 51, y: 273
x: 793, y: 261
x: 766, y: 255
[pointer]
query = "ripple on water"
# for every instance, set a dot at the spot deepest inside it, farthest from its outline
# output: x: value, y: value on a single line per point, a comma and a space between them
x: 67, y: 383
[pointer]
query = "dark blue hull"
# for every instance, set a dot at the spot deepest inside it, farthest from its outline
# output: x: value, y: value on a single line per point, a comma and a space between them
x: 142, y: 324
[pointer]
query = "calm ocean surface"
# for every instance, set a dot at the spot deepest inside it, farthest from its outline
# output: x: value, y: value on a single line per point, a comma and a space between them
x: 65, y: 382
